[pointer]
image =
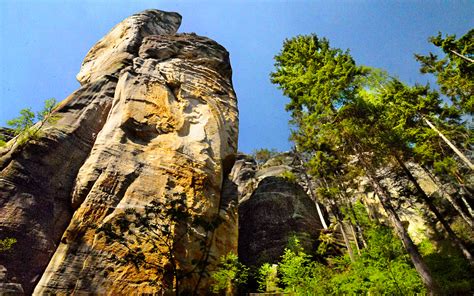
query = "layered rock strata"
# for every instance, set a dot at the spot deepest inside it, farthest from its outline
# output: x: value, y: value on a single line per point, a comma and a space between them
x: 37, y: 178
x: 167, y: 128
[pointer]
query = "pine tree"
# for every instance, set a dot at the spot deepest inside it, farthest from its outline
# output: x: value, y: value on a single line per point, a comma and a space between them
x: 454, y: 71
x: 334, y: 123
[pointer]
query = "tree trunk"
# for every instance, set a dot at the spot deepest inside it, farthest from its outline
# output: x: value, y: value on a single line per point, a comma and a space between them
x: 346, y: 241
x: 410, y: 247
x: 320, y: 214
x: 356, y: 241
x: 337, y: 214
x: 358, y: 227
x: 435, y: 211
x: 313, y: 196
x: 467, y: 216
x: 348, y: 202
x: 456, y: 150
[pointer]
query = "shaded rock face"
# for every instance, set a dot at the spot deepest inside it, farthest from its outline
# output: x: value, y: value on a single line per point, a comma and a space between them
x: 36, y: 180
x: 276, y: 211
x: 271, y: 209
x: 162, y: 122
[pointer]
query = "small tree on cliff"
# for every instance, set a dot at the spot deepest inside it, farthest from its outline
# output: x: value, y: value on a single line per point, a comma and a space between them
x: 166, y: 226
x: 263, y: 155
x: 23, y: 126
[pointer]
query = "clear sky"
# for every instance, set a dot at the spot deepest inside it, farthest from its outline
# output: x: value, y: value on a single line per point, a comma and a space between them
x: 42, y: 44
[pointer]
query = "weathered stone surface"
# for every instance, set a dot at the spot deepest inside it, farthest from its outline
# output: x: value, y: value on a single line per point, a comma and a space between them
x: 172, y: 129
x: 36, y: 179
x: 6, y: 134
x: 271, y: 209
x: 117, y: 49
x: 242, y: 177
x: 276, y: 210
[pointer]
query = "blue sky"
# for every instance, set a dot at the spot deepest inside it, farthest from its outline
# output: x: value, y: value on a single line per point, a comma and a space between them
x: 42, y: 44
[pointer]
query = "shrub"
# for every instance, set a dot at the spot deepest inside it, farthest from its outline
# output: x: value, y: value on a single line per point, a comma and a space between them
x: 230, y: 274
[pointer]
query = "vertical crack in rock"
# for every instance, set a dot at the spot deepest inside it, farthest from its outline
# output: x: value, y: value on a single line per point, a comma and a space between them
x: 156, y: 118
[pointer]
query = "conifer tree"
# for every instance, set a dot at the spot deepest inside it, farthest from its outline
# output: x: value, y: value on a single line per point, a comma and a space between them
x: 455, y: 70
x: 330, y: 120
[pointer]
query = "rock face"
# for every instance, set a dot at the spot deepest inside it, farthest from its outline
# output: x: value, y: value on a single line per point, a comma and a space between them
x: 37, y: 178
x: 156, y: 118
x: 276, y: 211
x: 272, y: 209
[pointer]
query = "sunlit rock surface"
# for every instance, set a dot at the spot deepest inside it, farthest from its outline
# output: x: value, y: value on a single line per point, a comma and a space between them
x: 156, y: 117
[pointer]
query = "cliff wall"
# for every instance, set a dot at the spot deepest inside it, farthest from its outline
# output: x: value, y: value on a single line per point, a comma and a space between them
x: 155, y: 121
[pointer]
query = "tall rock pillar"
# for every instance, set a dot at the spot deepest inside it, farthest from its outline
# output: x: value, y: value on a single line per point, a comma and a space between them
x: 170, y: 132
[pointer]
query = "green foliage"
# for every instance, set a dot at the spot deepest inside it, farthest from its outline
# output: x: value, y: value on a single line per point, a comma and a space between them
x: 45, y: 113
x: 23, y: 122
x: 24, y: 126
x: 289, y: 176
x: 6, y: 244
x: 263, y: 155
x: 267, y: 278
x: 454, y: 71
x: 230, y: 274
x: 382, y: 268
x: 449, y: 268
x: 300, y: 275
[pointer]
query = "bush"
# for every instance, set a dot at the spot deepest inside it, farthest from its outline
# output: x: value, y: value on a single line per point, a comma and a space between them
x: 289, y: 176
x: 267, y: 278
x: 6, y: 244
x: 230, y: 274
x: 263, y: 155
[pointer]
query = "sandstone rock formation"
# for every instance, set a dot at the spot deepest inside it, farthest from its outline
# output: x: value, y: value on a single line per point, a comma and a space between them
x: 275, y: 212
x: 156, y: 117
x: 272, y: 209
x: 36, y: 181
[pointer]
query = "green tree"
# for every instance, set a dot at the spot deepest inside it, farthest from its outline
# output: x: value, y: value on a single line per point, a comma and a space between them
x: 22, y: 123
x: 401, y: 127
x: 382, y: 268
x: 455, y: 70
x: 263, y: 155
x: 267, y: 278
x: 300, y: 275
x: 229, y: 275
x: 331, y: 120
x: 24, y: 126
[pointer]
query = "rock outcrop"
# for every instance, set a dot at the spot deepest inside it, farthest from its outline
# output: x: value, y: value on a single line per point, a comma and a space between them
x: 37, y: 178
x: 276, y: 211
x: 156, y: 117
x: 272, y: 209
